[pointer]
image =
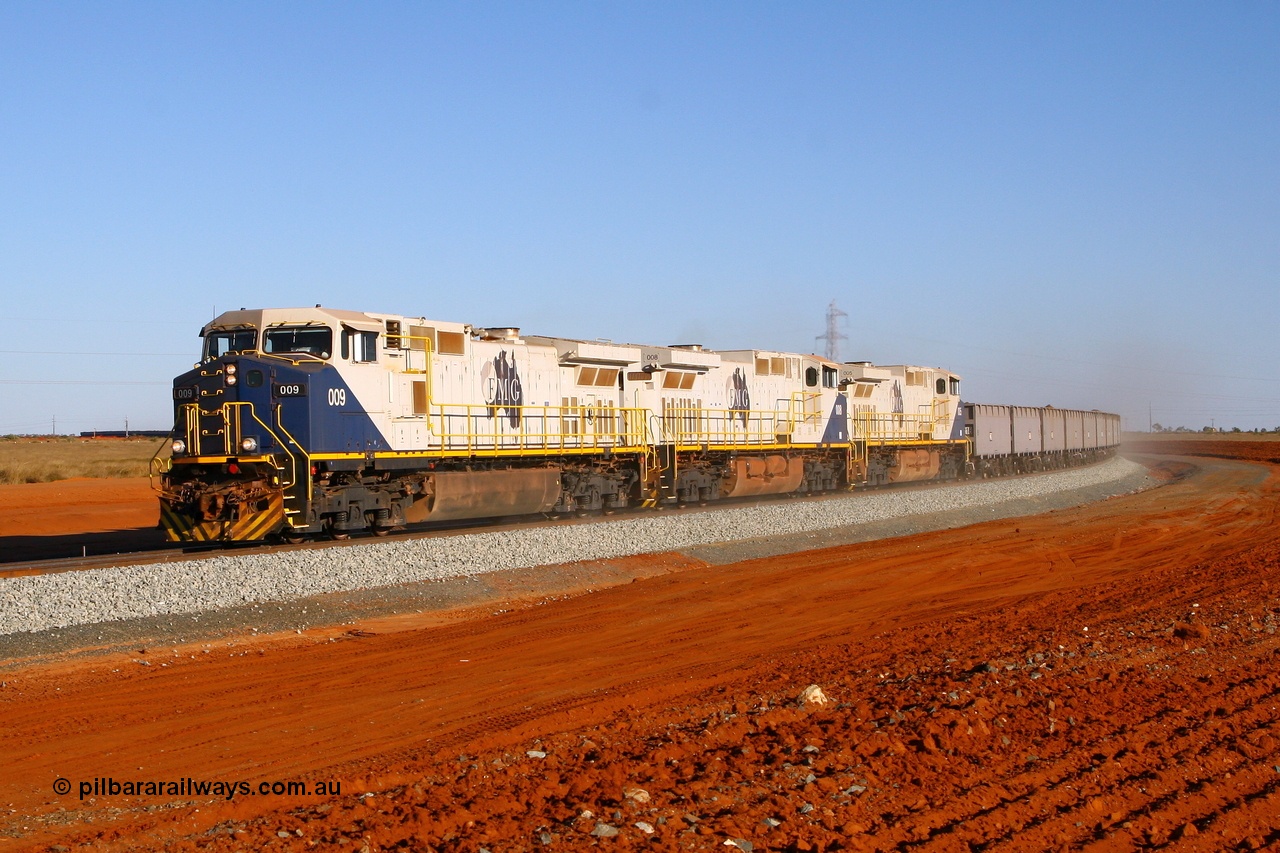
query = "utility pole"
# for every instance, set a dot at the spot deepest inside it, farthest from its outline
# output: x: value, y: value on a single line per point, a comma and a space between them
x: 55, y: 424
x: 833, y: 337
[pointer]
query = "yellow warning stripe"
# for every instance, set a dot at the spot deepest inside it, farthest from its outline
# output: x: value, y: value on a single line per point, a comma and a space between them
x: 258, y: 526
x: 175, y: 526
x: 182, y: 528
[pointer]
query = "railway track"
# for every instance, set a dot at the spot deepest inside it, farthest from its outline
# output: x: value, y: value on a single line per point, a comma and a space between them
x: 168, y: 553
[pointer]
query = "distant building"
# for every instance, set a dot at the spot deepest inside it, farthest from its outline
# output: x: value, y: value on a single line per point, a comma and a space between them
x: 119, y: 433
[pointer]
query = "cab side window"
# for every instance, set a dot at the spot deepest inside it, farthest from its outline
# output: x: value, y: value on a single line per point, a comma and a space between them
x: 359, y: 346
x: 366, y: 346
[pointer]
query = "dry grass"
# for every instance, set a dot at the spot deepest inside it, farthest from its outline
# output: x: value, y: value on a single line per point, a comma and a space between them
x: 42, y: 460
x: 1200, y: 436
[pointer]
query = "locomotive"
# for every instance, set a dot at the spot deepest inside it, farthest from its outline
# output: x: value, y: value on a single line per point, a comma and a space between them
x: 306, y: 421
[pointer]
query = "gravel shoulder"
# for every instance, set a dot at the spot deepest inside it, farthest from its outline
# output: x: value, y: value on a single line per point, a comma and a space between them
x: 1027, y: 496
x: 108, y: 610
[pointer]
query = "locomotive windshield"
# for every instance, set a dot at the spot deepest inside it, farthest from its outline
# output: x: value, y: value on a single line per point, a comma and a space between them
x: 230, y: 340
x: 312, y: 340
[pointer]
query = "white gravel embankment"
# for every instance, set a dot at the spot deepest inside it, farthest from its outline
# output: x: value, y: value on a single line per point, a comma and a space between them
x: 191, y: 586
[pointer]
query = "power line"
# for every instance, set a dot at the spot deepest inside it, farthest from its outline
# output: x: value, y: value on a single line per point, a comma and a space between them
x: 74, y: 382
x: 95, y: 320
x: 1109, y: 365
x: 833, y: 335
x: 1127, y: 389
x: 66, y: 352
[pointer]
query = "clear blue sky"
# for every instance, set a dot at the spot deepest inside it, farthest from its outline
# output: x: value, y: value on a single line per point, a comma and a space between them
x: 1066, y: 203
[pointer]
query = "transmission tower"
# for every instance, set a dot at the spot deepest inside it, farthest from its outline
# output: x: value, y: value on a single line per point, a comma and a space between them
x: 834, y: 336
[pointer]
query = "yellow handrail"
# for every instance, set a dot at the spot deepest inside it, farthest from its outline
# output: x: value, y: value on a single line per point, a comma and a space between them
x: 807, y: 404
x: 191, y: 426
x: 895, y: 426
x: 695, y: 425
x: 475, y: 427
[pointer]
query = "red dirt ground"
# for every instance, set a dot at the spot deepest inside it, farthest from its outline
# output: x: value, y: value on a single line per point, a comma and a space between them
x: 76, y: 506
x: 1103, y: 678
x: 58, y: 519
x: 1256, y: 451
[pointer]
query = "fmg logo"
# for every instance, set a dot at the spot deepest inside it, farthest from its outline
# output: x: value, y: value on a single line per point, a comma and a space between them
x: 739, y: 395
x: 500, y: 382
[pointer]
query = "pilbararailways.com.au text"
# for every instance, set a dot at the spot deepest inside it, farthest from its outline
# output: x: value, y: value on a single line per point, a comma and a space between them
x: 106, y: 786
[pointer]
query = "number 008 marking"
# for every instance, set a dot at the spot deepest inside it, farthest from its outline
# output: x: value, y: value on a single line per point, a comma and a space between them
x: 337, y: 396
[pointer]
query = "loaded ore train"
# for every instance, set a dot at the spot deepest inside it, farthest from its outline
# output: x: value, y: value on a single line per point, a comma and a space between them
x: 306, y: 421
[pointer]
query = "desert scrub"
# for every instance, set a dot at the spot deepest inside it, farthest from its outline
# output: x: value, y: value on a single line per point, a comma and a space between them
x: 42, y: 460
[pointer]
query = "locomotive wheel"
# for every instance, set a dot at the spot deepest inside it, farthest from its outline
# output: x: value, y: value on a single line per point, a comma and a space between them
x: 381, y: 531
x: 293, y: 537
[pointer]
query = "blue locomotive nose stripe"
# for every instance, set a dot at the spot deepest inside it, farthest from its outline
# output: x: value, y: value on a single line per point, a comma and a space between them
x: 837, y: 431
x: 328, y: 417
x: 315, y: 405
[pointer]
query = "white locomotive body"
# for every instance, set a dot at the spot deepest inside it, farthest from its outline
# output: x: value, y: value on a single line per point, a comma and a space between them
x: 307, y: 420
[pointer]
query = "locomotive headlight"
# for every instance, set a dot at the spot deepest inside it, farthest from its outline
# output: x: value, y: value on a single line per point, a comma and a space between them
x: 179, y: 447
x: 231, y: 368
x: 231, y: 379
x: 249, y: 445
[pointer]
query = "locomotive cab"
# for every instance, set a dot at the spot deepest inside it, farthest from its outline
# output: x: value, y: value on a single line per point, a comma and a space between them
x: 241, y: 417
